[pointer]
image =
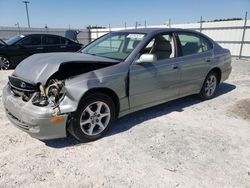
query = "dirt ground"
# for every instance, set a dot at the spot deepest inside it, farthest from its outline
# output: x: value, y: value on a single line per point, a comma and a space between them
x: 183, y: 143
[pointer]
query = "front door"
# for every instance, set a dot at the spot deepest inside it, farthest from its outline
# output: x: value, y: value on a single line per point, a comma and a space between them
x: 28, y: 46
x: 153, y: 83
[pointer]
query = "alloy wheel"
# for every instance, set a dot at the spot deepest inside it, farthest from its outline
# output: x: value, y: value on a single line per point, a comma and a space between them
x: 95, y: 118
x: 210, y: 86
x: 4, y: 63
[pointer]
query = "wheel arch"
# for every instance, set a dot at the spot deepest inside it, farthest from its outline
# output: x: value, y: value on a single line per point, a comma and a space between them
x: 218, y: 71
x: 4, y: 55
x: 109, y: 92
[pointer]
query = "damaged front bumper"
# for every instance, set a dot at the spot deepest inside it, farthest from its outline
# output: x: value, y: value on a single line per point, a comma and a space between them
x: 39, y: 122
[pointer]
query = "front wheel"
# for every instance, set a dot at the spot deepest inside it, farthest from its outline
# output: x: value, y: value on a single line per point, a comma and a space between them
x: 4, y: 63
x: 94, y: 117
x: 209, y: 86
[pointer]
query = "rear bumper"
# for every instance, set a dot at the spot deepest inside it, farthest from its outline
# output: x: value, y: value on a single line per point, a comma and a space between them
x: 226, y: 73
x: 34, y: 120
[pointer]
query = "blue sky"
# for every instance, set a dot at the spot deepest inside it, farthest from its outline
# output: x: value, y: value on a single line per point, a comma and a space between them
x: 80, y: 13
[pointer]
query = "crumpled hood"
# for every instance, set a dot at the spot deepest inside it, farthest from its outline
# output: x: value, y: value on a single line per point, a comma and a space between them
x: 39, y: 67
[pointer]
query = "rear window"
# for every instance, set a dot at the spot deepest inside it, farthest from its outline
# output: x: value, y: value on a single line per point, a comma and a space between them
x: 65, y: 41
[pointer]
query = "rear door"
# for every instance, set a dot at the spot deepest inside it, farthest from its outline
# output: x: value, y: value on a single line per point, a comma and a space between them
x: 51, y: 43
x: 196, y: 57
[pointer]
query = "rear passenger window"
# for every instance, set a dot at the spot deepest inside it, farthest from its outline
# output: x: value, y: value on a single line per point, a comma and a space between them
x: 64, y: 41
x: 193, y: 44
x: 50, y: 40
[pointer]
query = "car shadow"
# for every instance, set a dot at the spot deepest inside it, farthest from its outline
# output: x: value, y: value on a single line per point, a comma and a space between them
x: 177, y: 105
x: 127, y: 122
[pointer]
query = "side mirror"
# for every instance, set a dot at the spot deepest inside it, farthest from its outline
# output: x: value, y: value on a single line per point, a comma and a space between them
x: 146, y: 58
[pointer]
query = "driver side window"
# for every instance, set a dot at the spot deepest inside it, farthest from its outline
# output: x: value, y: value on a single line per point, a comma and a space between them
x: 31, y: 41
x: 162, y: 46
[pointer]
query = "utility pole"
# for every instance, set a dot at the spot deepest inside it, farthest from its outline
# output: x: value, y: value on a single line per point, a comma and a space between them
x: 243, y: 35
x: 201, y: 24
x: 18, y: 26
x: 27, y: 12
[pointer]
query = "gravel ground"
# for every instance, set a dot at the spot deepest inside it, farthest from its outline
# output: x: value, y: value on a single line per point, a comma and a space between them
x: 183, y: 143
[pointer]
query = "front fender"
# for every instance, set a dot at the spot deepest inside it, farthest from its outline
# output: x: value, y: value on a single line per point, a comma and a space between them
x: 77, y: 87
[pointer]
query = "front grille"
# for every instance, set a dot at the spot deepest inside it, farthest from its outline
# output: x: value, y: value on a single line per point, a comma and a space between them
x: 22, y: 85
x: 21, y: 88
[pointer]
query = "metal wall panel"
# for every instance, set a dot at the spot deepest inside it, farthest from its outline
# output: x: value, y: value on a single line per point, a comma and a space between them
x: 227, y: 33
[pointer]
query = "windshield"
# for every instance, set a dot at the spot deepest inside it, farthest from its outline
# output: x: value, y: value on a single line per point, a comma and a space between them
x: 13, y: 40
x: 116, y: 46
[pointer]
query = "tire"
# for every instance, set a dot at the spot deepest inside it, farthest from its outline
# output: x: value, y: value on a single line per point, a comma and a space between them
x: 93, y: 118
x: 5, y: 63
x: 209, y: 86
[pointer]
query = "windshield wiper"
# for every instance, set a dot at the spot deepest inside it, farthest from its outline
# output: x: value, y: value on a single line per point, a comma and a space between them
x: 2, y: 41
x: 103, y: 56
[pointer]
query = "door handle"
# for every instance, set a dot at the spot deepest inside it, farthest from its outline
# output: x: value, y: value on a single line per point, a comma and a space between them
x: 39, y: 48
x: 175, y: 67
x: 62, y: 46
x: 208, y: 60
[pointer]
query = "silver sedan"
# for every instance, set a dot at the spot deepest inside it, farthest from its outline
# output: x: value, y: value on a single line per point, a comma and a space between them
x: 56, y: 94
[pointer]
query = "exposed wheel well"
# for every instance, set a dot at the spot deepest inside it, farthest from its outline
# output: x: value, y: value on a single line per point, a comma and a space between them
x: 218, y: 72
x: 109, y: 93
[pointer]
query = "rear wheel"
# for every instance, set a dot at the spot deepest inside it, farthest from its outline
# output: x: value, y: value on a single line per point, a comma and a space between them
x: 209, y: 86
x: 93, y: 118
x: 4, y: 63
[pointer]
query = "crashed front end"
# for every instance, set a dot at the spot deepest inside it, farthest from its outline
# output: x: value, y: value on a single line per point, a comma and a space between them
x: 35, y: 108
x: 45, y: 89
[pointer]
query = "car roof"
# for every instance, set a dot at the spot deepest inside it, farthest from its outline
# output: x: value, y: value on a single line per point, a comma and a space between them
x: 155, y: 30
x: 28, y: 34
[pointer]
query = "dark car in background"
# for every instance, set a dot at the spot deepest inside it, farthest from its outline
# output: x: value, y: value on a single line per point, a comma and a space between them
x: 17, y: 48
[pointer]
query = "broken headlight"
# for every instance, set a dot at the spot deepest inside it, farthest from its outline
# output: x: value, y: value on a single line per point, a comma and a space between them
x: 52, y: 94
